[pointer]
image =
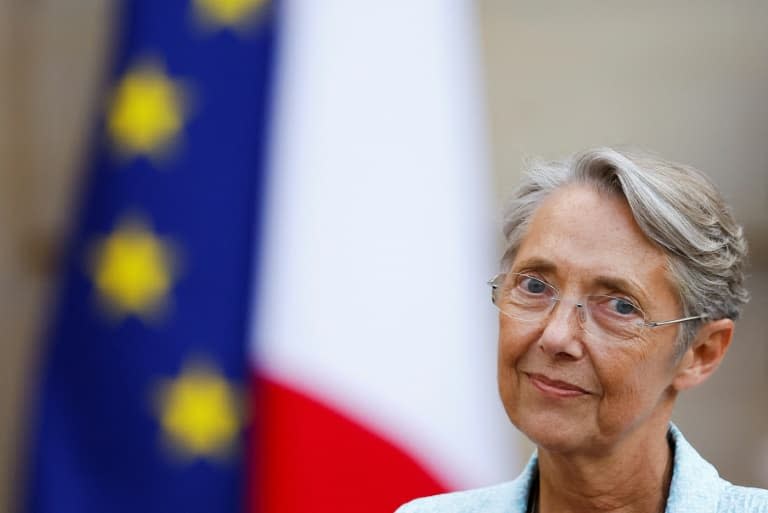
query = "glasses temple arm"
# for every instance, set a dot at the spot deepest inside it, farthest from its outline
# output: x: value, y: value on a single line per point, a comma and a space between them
x: 653, y: 324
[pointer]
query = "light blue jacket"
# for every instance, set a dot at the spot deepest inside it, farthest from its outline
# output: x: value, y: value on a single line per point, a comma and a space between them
x: 696, y: 488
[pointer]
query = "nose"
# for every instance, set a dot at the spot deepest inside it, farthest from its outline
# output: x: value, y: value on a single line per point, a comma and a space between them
x: 562, y: 334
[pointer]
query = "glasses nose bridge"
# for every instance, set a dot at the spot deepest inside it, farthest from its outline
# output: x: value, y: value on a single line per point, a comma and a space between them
x: 579, y: 303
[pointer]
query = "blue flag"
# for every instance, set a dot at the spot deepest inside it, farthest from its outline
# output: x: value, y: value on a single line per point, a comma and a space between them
x: 144, y: 375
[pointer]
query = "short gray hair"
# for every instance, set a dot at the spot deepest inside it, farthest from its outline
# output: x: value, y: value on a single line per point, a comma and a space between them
x: 675, y: 206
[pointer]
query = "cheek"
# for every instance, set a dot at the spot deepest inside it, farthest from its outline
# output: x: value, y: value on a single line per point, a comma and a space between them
x: 633, y: 381
x: 508, y: 354
x: 514, y: 343
x: 515, y: 340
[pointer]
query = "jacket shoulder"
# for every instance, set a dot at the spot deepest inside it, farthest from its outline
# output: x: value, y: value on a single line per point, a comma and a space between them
x: 743, y: 499
x: 501, y: 498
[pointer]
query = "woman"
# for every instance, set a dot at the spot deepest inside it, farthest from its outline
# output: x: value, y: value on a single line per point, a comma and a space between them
x: 623, y: 275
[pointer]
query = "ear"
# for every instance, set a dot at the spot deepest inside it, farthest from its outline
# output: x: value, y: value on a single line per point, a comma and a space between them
x: 704, y: 355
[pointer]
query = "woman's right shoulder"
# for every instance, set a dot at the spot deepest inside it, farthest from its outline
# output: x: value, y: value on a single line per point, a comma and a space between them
x: 501, y: 498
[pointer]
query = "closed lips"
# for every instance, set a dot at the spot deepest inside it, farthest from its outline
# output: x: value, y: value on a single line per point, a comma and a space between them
x: 555, y: 383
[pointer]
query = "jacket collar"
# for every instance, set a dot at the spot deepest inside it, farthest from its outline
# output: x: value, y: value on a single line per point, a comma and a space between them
x: 696, y: 485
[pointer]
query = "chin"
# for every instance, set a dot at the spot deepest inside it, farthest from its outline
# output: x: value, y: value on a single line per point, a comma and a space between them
x: 559, y: 428
x: 551, y: 431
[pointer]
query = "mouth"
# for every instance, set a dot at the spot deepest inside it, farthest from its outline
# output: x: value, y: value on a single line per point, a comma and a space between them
x: 555, y: 387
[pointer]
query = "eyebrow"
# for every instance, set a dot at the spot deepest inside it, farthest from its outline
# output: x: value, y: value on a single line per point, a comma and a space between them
x: 535, y: 263
x: 610, y: 282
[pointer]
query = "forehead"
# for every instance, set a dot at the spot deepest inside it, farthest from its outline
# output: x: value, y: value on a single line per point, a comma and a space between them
x: 579, y: 231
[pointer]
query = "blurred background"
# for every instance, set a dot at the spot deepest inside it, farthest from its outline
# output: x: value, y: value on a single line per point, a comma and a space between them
x: 685, y: 79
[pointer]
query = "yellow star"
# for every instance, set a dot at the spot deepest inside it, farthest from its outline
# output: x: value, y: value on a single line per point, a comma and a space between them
x: 146, y: 112
x: 200, y: 412
x: 228, y: 13
x: 132, y: 270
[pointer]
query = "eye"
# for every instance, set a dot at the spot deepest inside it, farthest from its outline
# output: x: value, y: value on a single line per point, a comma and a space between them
x: 623, y: 307
x: 532, y: 285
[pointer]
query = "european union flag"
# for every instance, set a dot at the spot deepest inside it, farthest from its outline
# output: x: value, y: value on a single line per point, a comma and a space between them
x: 140, y: 406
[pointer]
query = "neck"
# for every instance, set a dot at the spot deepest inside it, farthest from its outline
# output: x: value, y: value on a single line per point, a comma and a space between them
x: 631, y: 478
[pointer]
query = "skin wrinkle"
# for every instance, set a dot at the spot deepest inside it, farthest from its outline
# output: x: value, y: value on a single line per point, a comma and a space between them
x: 608, y: 495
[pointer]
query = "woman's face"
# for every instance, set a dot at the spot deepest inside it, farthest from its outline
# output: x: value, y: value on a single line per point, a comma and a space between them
x: 569, y: 389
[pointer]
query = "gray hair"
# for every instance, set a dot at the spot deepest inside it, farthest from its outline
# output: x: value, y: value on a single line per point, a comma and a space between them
x: 674, y: 205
